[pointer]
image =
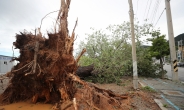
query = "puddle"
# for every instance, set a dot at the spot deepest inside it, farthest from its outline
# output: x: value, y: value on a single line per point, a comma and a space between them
x: 26, y: 106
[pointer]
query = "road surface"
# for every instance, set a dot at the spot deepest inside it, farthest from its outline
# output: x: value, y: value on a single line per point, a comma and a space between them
x: 180, y: 72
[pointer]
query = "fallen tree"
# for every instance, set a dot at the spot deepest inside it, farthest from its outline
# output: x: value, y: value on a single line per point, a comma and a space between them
x: 46, y: 72
x: 85, y: 71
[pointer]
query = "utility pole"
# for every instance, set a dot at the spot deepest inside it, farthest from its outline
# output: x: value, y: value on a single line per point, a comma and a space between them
x: 135, y: 76
x: 181, y: 49
x: 174, y: 67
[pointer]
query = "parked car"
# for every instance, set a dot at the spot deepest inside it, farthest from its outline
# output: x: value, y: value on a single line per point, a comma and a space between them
x: 180, y: 64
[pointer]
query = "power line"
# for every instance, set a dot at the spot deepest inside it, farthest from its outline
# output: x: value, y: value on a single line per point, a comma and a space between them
x: 145, y: 9
x: 149, y: 9
x: 137, y: 6
x: 160, y: 16
x: 153, y: 11
x: 156, y: 8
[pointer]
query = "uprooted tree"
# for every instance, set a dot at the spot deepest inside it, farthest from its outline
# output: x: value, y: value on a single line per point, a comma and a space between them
x: 109, y: 51
x: 47, y: 72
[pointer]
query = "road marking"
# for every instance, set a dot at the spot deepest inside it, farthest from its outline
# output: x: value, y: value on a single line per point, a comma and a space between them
x: 170, y: 102
x: 164, y: 82
x: 177, y: 108
x: 173, y: 93
x: 149, y: 85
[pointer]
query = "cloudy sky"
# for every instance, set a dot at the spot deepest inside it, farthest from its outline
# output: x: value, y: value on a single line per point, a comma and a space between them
x: 17, y: 15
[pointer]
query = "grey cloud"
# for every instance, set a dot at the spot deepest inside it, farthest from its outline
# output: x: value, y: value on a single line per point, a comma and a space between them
x: 177, y: 8
x: 18, y: 13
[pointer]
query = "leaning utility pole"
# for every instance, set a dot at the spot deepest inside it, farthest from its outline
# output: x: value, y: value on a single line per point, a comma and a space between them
x: 135, y: 76
x: 174, y: 67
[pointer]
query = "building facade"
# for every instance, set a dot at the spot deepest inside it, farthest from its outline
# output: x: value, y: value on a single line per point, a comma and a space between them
x: 5, y: 64
x: 179, y: 43
x: 180, y: 53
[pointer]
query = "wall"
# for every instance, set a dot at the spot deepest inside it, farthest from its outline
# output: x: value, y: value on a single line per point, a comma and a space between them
x: 5, y: 64
x: 182, y: 49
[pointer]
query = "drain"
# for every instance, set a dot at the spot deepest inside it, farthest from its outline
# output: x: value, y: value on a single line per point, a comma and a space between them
x: 172, y: 93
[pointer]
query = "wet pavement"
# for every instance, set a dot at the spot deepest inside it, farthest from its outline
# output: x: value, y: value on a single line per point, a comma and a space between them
x: 171, y: 93
x: 180, y: 72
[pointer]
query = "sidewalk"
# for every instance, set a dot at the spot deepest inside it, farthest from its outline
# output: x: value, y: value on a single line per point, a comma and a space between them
x: 171, y: 93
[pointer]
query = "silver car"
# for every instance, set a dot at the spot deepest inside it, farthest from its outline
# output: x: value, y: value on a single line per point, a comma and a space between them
x: 180, y: 64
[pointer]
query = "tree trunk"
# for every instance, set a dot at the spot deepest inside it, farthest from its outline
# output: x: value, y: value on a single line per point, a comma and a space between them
x: 162, y: 68
x: 85, y: 71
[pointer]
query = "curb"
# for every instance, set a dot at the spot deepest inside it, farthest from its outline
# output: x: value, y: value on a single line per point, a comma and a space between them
x: 182, y: 82
x: 163, y: 97
x: 160, y: 104
x: 142, y: 84
x: 157, y: 101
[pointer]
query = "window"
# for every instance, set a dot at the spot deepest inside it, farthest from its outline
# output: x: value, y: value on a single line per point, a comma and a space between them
x: 5, y: 62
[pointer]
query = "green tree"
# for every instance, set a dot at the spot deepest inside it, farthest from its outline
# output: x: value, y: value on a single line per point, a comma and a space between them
x: 110, y: 52
x: 159, y: 48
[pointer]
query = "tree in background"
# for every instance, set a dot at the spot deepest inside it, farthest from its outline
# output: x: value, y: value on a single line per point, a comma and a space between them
x: 110, y: 52
x: 159, y: 48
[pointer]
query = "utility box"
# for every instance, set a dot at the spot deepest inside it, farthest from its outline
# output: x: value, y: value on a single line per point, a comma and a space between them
x: 5, y: 64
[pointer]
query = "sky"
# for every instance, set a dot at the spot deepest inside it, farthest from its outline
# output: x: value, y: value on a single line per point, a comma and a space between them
x: 17, y: 15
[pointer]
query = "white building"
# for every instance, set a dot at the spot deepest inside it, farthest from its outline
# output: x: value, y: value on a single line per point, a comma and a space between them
x: 5, y: 64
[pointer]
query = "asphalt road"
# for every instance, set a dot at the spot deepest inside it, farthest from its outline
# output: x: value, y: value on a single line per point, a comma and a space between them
x: 180, y: 72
